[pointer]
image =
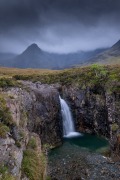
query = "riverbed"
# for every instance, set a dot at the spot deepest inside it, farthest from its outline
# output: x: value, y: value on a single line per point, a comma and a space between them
x: 80, y: 158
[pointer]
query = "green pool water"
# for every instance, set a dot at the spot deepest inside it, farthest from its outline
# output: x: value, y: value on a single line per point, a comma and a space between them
x: 80, y: 158
x: 85, y: 141
x: 88, y: 141
x: 71, y: 158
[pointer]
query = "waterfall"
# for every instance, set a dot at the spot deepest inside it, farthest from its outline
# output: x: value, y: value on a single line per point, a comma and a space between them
x: 68, y: 124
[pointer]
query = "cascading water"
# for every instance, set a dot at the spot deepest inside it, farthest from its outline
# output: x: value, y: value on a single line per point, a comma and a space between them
x: 68, y: 125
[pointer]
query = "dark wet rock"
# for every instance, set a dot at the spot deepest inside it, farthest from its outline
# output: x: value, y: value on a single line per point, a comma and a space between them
x: 96, y: 111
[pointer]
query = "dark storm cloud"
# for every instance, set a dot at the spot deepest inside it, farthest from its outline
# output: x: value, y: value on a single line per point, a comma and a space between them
x: 59, y: 25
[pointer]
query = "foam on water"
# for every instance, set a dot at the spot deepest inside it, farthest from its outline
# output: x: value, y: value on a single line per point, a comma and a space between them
x: 73, y: 134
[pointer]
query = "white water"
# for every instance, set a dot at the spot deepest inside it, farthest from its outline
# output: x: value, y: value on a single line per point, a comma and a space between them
x: 68, y: 125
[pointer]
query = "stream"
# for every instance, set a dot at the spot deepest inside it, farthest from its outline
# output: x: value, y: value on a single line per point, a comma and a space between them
x: 81, y: 156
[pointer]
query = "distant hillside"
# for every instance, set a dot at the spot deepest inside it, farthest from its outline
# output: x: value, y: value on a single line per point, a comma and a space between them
x: 110, y: 56
x: 34, y: 57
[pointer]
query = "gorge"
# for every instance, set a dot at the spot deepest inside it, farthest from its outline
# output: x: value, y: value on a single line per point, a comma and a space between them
x: 31, y: 124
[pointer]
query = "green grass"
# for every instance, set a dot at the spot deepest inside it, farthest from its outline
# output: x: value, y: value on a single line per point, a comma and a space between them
x: 34, y: 162
x: 32, y: 143
x: 33, y: 165
x: 7, y: 82
x: 6, y: 120
x: 107, y: 76
x: 5, y: 114
x: 3, y: 130
x: 84, y: 77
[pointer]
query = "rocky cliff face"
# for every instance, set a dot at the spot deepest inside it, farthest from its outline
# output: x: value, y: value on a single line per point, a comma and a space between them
x: 35, y: 112
x: 30, y: 116
x: 96, y: 111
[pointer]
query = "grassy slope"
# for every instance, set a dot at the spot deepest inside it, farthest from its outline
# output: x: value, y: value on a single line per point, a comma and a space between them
x: 110, y: 60
x: 114, y: 60
x: 108, y: 76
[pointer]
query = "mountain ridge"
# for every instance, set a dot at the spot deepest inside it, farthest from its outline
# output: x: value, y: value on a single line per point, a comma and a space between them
x: 116, y: 45
x: 110, y: 56
x: 34, y: 57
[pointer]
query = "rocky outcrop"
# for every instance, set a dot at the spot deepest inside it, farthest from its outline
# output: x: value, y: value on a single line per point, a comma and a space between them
x: 96, y: 111
x: 34, y: 108
x: 11, y: 155
x: 37, y: 107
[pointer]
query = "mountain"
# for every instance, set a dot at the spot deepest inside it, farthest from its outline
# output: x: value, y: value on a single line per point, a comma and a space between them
x: 110, y: 56
x: 34, y: 57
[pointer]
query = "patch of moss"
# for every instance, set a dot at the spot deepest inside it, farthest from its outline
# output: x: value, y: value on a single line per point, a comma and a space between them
x: 6, y: 121
x: 4, y: 174
x: 11, y: 97
x: 22, y: 134
x: 32, y: 143
x: 23, y: 77
x: 7, y: 82
x: 5, y: 114
x: 24, y: 118
x: 47, y: 147
x: 105, y: 151
x: 48, y: 178
x: 18, y: 144
x: 115, y: 88
x: 3, y: 130
x: 33, y: 164
x: 114, y: 127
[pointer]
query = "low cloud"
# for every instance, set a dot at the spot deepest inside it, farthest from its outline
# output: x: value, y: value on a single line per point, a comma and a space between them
x: 57, y: 25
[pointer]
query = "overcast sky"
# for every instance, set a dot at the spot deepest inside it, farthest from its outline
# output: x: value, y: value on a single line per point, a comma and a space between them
x: 59, y: 25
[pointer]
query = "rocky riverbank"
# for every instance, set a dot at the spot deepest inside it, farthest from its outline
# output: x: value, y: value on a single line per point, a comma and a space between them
x: 74, y: 163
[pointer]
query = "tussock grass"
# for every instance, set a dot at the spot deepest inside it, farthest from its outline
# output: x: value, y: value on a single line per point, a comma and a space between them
x: 34, y: 162
x: 9, y: 72
x: 5, y: 114
x: 6, y: 120
x: 3, y: 130
x: 89, y: 76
